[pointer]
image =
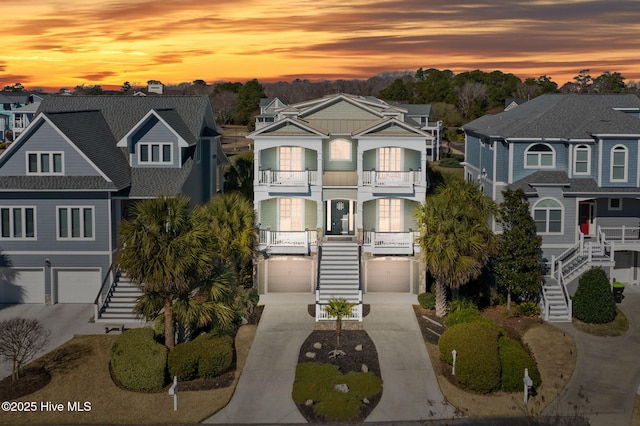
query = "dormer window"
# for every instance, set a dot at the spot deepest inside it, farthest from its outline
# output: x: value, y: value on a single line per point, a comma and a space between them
x: 154, y: 153
x: 540, y: 155
x: 45, y: 163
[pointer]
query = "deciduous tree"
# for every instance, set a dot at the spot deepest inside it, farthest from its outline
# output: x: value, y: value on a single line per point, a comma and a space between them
x: 20, y: 341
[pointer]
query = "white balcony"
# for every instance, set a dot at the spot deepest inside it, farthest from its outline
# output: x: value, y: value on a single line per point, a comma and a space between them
x: 392, y: 182
x: 356, y: 313
x: 622, y: 236
x: 288, y: 242
x: 383, y: 243
x: 288, y: 181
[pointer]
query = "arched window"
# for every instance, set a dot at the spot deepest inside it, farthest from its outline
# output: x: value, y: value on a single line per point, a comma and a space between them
x: 340, y: 150
x: 582, y: 160
x: 547, y: 214
x: 619, y: 163
x: 540, y: 155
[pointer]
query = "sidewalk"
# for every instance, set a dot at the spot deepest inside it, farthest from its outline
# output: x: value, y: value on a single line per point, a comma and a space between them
x: 606, y: 378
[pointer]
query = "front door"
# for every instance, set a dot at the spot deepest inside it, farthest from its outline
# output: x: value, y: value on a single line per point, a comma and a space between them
x: 586, y: 217
x: 338, y: 217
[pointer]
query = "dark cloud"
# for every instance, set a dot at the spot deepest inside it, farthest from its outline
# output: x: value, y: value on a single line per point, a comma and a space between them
x: 97, y: 76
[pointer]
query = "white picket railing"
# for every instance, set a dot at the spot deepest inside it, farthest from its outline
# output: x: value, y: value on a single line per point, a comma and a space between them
x: 288, y: 238
x: 394, y: 178
x: 356, y: 314
x: 621, y: 234
x: 288, y: 177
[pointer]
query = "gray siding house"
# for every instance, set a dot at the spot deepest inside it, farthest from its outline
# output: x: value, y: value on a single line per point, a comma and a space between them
x: 68, y: 179
x: 576, y: 157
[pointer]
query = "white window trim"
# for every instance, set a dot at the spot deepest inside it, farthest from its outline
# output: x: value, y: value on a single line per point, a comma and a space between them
x: 149, y: 145
x: 611, y: 208
x: 331, y: 150
x: 575, y: 159
x: 379, y: 165
x: 38, y: 155
x: 24, y: 224
x: 533, y: 209
x: 69, y: 223
x: 540, y: 166
x: 626, y: 163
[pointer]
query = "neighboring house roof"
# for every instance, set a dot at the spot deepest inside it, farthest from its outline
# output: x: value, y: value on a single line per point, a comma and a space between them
x: 569, y: 117
x: 569, y: 185
x: 123, y: 116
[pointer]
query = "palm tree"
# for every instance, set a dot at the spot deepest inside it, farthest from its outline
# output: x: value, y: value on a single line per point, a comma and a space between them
x: 455, y: 239
x: 338, y: 308
x: 230, y: 220
x: 164, y: 251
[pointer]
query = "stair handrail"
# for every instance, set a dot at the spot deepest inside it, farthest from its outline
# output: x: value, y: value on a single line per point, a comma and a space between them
x: 565, y: 292
x: 99, y: 301
x: 545, y: 303
x: 318, y: 276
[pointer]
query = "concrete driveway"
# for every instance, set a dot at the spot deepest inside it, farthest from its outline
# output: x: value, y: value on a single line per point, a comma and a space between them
x: 606, y: 378
x: 63, y: 320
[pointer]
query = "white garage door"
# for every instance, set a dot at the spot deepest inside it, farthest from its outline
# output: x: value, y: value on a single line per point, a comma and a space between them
x: 289, y: 276
x: 388, y: 275
x: 77, y: 285
x: 21, y: 285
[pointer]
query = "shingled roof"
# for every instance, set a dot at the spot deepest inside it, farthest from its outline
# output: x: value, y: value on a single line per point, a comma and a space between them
x: 582, y: 186
x: 571, y: 117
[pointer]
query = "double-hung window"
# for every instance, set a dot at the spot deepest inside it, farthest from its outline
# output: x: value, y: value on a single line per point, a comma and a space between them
x: 582, y: 161
x: 18, y: 223
x: 619, y: 163
x: 45, y: 163
x: 154, y: 153
x: 76, y: 222
x: 389, y: 162
x: 291, y: 214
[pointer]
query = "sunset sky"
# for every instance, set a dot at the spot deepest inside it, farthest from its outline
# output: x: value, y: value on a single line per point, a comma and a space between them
x: 64, y: 43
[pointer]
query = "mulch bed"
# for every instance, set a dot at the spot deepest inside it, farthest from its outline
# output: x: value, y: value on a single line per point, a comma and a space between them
x: 431, y: 326
x: 352, y: 361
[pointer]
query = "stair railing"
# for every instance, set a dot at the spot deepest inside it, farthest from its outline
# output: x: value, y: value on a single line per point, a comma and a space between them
x: 565, y: 293
x: 99, y: 301
x: 318, y: 310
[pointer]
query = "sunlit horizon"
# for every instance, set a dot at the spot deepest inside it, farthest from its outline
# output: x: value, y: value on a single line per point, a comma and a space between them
x: 67, y: 43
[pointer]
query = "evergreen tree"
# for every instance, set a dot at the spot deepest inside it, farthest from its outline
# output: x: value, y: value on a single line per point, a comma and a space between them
x: 517, y: 268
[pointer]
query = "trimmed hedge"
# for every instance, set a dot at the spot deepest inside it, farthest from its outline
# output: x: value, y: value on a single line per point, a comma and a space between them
x: 427, y: 300
x: 206, y: 356
x: 513, y: 360
x: 478, y: 362
x: 594, y: 302
x: 138, y: 362
x: 467, y: 315
x: 451, y: 163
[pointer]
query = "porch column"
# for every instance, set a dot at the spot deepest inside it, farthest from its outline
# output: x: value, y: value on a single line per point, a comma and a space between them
x: 359, y: 157
x: 423, y: 166
x: 256, y: 167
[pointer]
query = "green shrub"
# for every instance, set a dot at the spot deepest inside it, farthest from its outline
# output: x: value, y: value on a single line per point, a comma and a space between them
x: 183, y: 362
x: 460, y: 303
x: 138, y: 362
x: 427, y: 300
x: 315, y: 381
x: 593, y: 302
x: 451, y: 163
x: 478, y: 363
x: 513, y: 360
x: 215, y: 354
x: 528, y: 309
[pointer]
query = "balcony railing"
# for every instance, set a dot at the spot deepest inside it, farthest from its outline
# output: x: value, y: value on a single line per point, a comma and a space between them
x: 288, y: 241
x: 392, y: 179
x: 390, y: 242
x: 288, y: 177
x: 622, y: 234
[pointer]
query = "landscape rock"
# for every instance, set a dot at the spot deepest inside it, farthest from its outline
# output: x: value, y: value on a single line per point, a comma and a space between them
x: 366, y: 401
x: 341, y: 387
x: 308, y: 402
x: 317, y: 345
x: 359, y: 348
x: 364, y: 368
x: 311, y: 355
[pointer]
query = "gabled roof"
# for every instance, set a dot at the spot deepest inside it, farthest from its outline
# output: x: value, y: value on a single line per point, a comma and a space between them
x: 391, y: 127
x: 288, y: 127
x: 569, y: 117
x: 122, y: 113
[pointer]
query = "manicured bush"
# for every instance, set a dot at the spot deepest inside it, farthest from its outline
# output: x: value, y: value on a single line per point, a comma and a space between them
x: 528, y: 309
x: 593, y: 302
x: 427, y: 300
x: 460, y: 303
x: 477, y: 363
x: 138, y: 362
x: 183, y: 362
x: 315, y: 381
x: 215, y: 354
x: 513, y: 360
x: 467, y: 315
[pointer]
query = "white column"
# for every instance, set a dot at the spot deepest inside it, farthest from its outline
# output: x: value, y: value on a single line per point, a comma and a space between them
x: 359, y: 156
x: 423, y: 166
x: 256, y: 168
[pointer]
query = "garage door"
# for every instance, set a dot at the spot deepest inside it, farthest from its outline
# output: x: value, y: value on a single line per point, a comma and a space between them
x: 21, y: 285
x: 389, y: 275
x: 289, y: 275
x: 77, y: 285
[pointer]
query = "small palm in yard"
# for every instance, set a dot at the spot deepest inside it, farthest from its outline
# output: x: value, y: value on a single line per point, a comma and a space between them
x: 338, y: 308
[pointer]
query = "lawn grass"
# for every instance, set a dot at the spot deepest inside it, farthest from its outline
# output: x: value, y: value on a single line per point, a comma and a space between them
x: 80, y: 372
x: 617, y: 327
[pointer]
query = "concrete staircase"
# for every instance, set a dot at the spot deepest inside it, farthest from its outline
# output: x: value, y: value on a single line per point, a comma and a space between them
x: 558, y: 307
x: 339, y: 272
x: 119, y: 303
